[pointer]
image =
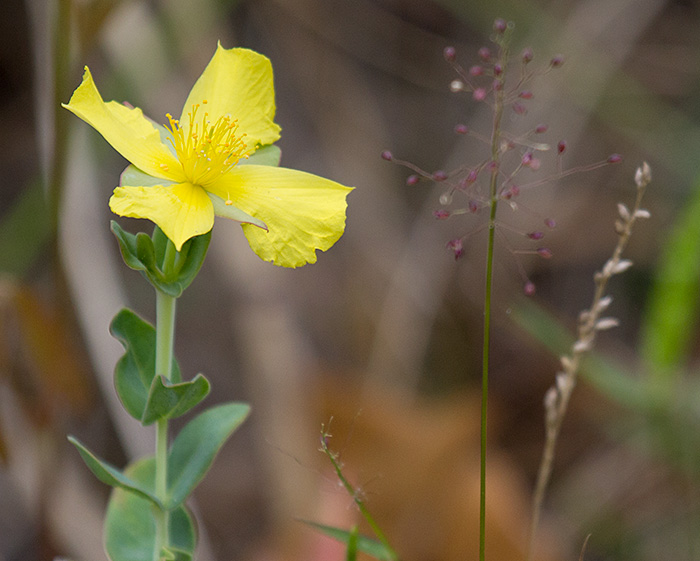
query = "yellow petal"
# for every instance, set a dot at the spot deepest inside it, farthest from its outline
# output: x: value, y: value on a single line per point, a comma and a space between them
x: 238, y: 83
x: 126, y: 129
x: 182, y: 210
x: 303, y: 212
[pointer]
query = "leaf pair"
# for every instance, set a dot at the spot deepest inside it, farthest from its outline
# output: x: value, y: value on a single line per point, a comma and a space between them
x: 145, y: 396
x: 189, y: 458
x: 145, y: 253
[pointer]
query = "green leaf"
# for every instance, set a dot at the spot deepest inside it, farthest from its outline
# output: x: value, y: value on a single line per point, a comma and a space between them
x: 195, y: 448
x: 129, y: 530
x: 364, y: 544
x: 672, y: 313
x: 145, y: 254
x: 268, y: 155
x: 192, y: 257
x: 110, y: 475
x: 167, y: 400
x: 134, y: 372
x: 127, y: 246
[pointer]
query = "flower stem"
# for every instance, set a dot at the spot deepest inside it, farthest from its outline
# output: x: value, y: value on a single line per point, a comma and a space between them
x: 165, y: 331
x: 493, y: 195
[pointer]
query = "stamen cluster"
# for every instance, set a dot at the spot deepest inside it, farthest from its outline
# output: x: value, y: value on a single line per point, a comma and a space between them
x: 206, y: 150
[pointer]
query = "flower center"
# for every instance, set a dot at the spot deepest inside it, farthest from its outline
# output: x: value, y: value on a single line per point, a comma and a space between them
x: 206, y: 149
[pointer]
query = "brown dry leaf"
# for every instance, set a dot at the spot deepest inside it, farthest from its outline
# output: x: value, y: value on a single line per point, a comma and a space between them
x: 51, y: 354
x: 417, y: 462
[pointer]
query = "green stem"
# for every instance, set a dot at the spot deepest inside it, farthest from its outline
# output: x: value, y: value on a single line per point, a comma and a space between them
x: 493, y: 194
x: 356, y: 497
x: 165, y: 334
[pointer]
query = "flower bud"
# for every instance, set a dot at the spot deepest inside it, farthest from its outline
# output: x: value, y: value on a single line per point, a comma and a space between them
x: 529, y: 288
x: 439, y: 175
x: 535, y: 235
x: 441, y: 214
x: 544, y: 252
x: 456, y: 246
x: 539, y: 129
x: 556, y: 61
x: 525, y: 94
x: 412, y: 180
x: 550, y: 223
x: 527, y: 55
x: 461, y: 129
x: 484, y: 54
x: 500, y: 25
x: 479, y: 94
x: 643, y: 175
x: 614, y: 158
x: 476, y: 70
x: 386, y: 155
x: 450, y: 54
x: 561, y: 146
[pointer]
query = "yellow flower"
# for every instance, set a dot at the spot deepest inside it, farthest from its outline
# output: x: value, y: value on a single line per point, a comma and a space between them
x: 204, y: 164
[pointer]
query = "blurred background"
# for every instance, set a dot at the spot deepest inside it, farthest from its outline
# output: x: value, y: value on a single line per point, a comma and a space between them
x: 380, y: 338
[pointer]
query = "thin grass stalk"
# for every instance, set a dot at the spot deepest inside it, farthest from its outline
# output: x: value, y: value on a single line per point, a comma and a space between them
x: 590, y: 322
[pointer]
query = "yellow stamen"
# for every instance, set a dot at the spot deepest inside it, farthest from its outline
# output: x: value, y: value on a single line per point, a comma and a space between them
x: 206, y: 150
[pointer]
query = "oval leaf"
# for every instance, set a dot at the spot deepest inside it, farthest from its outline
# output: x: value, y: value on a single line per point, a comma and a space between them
x: 110, y: 475
x: 167, y: 401
x: 129, y: 531
x: 143, y: 253
x: 134, y: 372
x: 195, y: 448
x: 127, y: 246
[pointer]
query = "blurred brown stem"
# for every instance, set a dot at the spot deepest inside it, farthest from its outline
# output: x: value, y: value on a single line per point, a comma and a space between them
x: 557, y: 398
